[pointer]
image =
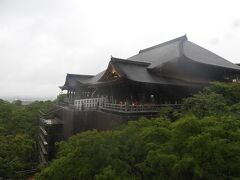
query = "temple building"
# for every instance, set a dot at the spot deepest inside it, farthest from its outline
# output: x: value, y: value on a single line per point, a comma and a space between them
x: 161, y: 74
x: 140, y: 85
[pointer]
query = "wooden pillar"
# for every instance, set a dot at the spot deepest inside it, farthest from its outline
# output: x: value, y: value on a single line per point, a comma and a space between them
x: 70, y: 95
x: 67, y: 93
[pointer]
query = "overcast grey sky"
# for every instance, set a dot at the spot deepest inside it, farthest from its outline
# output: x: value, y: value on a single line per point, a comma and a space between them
x: 42, y: 40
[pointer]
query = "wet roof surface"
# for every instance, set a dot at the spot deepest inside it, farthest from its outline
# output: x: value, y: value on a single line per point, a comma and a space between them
x: 138, y: 67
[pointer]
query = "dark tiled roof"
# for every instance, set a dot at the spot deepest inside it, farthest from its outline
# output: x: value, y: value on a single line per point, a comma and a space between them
x: 178, y: 48
x: 138, y: 72
x: 73, y: 80
x: 95, y: 78
x: 201, y: 55
x: 161, y: 53
x: 138, y: 67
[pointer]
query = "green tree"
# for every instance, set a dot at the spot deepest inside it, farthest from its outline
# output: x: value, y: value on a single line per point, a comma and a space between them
x: 203, y: 143
x: 206, y: 103
x: 18, y: 135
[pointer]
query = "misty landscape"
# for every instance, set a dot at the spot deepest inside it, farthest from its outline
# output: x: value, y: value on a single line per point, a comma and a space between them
x: 119, y: 89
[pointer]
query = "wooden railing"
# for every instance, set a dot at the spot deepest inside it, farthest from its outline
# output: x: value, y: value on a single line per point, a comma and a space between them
x: 88, y: 104
x: 100, y: 103
x: 137, y: 108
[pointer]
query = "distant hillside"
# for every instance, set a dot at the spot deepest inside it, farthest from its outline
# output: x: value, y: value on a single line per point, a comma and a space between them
x: 26, y: 98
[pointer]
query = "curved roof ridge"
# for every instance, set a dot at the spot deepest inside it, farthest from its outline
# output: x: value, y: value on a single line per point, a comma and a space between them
x: 181, y: 38
x: 77, y: 75
x: 118, y: 60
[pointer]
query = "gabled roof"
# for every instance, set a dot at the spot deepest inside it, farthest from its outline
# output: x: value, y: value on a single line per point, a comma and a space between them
x: 138, y: 72
x: 73, y: 80
x: 161, y: 53
x: 95, y: 78
x: 146, y: 65
x: 180, y: 48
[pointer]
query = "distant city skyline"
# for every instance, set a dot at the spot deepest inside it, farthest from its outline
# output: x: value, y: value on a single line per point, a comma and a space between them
x: 27, y: 98
x: 41, y: 41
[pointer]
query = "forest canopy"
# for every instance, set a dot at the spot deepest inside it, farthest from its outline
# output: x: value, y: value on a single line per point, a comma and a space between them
x: 18, y: 135
x: 201, y: 141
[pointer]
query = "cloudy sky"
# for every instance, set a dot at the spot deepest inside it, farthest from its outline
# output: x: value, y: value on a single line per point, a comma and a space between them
x: 42, y: 40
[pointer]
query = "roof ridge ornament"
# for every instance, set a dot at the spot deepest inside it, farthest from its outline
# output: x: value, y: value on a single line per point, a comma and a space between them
x: 184, y: 38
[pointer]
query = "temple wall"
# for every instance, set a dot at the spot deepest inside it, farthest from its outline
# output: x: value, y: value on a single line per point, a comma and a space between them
x: 87, y: 120
x: 75, y: 121
x: 78, y: 121
x: 67, y: 115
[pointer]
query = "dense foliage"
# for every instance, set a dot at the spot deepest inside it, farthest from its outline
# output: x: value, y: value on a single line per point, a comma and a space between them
x: 18, y: 134
x: 203, y: 143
